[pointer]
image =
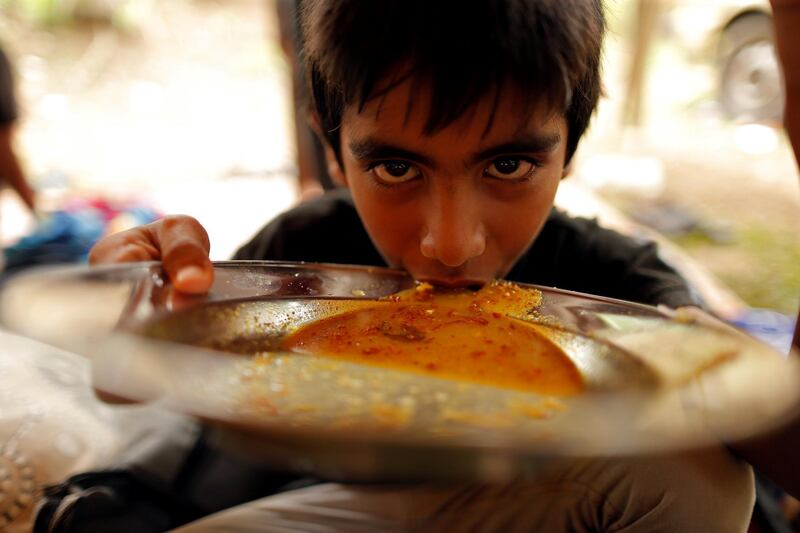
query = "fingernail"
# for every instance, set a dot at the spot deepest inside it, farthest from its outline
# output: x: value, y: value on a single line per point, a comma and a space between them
x: 188, y: 274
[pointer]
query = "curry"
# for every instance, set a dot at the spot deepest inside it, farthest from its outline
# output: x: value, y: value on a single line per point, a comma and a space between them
x: 464, y: 335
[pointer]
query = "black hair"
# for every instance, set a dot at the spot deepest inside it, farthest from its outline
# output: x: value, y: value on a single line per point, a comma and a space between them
x: 464, y: 49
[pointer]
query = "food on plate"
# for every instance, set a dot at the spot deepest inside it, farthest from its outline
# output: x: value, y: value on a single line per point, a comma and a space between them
x: 455, y: 334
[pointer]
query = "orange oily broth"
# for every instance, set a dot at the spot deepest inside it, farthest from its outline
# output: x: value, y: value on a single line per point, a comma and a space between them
x: 461, y: 335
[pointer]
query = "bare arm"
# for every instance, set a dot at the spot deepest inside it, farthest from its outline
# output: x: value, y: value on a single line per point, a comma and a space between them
x: 778, y: 455
x: 10, y: 169
x: 787, y: 22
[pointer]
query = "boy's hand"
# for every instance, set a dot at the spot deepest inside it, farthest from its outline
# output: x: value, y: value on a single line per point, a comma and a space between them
x: 178, y: 241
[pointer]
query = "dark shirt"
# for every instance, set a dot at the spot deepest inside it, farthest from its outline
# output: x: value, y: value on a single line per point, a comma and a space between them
x: 8, y: 104
x: 569, y: 253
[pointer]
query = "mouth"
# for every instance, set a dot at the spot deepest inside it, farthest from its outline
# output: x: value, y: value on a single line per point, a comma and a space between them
x: 454, y: 283
x: 449, y: 277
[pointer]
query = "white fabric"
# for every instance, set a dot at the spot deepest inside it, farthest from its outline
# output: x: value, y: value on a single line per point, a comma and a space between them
x: 53, y: 426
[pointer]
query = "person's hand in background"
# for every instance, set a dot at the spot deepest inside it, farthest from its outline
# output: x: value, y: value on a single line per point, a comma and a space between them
x: 178, y: 241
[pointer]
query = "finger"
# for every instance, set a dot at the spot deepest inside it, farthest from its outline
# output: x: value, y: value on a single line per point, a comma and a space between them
x: 184, y: 249
x: 124, y: 247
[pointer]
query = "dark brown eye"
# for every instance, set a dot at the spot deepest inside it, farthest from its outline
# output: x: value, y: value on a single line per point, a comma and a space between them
x: 392, y: 172
x: 509, y: 168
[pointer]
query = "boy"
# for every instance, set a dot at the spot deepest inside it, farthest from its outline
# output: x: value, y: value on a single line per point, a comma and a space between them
x: 452, y: 155
x: 451, y: 124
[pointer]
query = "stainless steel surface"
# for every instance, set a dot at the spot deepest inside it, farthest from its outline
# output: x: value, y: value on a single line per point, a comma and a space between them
x: 653, y: 383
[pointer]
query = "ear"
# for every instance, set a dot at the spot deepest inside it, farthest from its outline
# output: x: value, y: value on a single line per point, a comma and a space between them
x: 567, y: 170
x: 335, y: 170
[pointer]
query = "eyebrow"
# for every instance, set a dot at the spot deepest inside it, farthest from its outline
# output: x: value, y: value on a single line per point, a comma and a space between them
x: 371, y: 149
x: 537, y: 143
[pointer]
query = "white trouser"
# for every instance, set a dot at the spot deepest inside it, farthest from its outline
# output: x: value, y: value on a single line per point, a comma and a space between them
x: 703, y: 491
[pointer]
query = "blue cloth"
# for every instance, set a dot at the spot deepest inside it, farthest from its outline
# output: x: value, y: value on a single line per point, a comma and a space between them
x: 772, y: 327
x: 65, y: 237
x: 60, y: 238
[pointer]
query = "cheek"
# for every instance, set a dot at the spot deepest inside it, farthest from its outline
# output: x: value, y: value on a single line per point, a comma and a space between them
x: 516, y: 211
x: 514, y: 220
x: 391, y: 221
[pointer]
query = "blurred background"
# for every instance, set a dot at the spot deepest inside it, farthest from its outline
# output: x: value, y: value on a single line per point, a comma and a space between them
x: 141, y: 107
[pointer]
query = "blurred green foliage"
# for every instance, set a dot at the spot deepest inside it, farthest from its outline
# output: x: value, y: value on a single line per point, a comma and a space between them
x: 50, y: 13
x: 768, y: 275
x: 42, y: 12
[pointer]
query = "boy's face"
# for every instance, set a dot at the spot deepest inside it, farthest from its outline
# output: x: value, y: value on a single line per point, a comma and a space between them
x: 458, y: 206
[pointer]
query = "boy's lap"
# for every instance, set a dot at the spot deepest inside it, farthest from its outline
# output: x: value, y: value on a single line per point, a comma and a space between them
x: 693, y: 491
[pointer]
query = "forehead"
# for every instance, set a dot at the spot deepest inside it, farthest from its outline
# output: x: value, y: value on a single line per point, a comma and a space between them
x: 403, y: 112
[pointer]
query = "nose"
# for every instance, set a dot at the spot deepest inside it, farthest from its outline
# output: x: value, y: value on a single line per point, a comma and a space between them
x: 453, y: 233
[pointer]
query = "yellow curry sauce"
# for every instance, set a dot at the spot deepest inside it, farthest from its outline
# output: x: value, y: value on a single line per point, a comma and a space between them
x: 460, y: 334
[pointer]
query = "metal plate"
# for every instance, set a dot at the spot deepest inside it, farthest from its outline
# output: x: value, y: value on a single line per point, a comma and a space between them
x: 653, y: 383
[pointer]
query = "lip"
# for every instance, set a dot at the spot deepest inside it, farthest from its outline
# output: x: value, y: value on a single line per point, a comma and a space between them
x: 448, y: 277
x: 453, y: 283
